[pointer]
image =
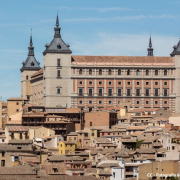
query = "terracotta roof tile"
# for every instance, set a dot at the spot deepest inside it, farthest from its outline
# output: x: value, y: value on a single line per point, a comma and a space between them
x: 37, y: 73
x: 123, y: 59
x: 18, y: 128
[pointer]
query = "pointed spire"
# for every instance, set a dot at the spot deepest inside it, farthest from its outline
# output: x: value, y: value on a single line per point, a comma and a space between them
x: 150, y: 49
x: 57, y: 21
x: 57, y: 28
x: 150, y: 43
x: 31, y: 43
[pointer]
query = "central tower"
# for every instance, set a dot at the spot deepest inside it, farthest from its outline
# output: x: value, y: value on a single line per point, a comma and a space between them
x: 57, y: 72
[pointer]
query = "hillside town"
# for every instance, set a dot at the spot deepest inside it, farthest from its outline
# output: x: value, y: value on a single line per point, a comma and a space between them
x: 92, y: 117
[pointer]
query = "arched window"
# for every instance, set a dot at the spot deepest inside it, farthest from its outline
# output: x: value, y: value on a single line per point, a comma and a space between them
x: 100, y: 71
x: 119, y: 72
x: 137, y: 72
x: 80, y: 72
x: 90, y: 72
x: 165, y: 72
x: 109, y: 72
x: 27, y: 77
x: 147, y: 72
x: 156, y: 72
x: 128, y: 72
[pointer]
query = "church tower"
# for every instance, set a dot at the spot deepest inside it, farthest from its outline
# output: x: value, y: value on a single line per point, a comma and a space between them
x: 30, y: 66
x: 58, y: 84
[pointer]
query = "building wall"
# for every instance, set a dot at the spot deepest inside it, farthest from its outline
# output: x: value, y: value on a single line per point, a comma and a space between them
x: 43, y: 132
x: 105, y: 119
x: 165, y: 167
x: 26, y: 84
x: 52, y: 82
x: 14, y: 107
x: 123, y: 82
x: 37, y: 91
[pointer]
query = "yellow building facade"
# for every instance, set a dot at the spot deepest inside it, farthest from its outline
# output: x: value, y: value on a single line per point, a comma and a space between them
x: 66, y: 146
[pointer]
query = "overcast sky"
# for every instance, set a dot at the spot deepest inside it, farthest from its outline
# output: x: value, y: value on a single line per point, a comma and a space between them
x: 91, y: 27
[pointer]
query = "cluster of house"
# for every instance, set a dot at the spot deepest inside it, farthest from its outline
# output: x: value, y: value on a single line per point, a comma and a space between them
x: 64, y: 143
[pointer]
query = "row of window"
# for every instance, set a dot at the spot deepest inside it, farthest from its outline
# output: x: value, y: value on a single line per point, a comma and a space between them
x: 110, y: 102
x: 128, y: 72
x: 119, y: 92
x: 120, y: 83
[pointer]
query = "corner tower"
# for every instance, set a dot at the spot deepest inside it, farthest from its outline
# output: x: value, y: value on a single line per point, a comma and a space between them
x: 57, y: 72
x: 176, y: 57
x: 30, y: 66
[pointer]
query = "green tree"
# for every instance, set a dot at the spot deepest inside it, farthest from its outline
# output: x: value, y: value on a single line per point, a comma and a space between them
x: 138, y: 143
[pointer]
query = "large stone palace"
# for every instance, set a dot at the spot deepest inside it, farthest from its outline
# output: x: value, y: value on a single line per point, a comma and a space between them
x: 93, y: 82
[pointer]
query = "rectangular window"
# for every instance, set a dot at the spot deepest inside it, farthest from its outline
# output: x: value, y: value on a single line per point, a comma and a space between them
x: 100, y: 82
x: 110, y: 102
x: 137, y: 92
x: 58, y: 62
x: 100, y: 102
x: 147, y: 102
x: 137, y: 83
x: 109, y: 92
x: 156, y: 102
x: 128, y: 83
x: 58, y: 90
x: 165, y: 102
x: 58, y: 73
x: 165, y: 83
x: 80, y: 82
x: 156, y: 92
x: 119, y: 92
x: 90, y: 92
x: 128, y: 92
x: 100, y: 92
x: 90, y: 82
x: 90, y: 102
x: 146, y: 92
x: 165, y: 92
x: 80, y: 102
x: 119, y: 82
x: 80, y: 92
x: 137, y: 102
x: 110, y: 83
x: 90, y: 123
x: 147, y: 83
x: 156, y: 83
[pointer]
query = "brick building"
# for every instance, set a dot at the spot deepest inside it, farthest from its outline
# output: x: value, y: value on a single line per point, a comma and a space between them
x: 93, y: 82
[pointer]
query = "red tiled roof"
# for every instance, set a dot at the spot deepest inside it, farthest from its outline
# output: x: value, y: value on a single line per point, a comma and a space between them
x: 37, y: 73
x: 18, y: 128
x: 124, y: 59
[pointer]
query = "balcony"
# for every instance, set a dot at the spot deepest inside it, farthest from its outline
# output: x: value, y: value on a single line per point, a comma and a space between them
x: 81, y: 94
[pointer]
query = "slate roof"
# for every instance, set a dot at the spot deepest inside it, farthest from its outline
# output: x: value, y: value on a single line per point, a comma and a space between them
x: 57, y: 45
x: 176, y: 50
